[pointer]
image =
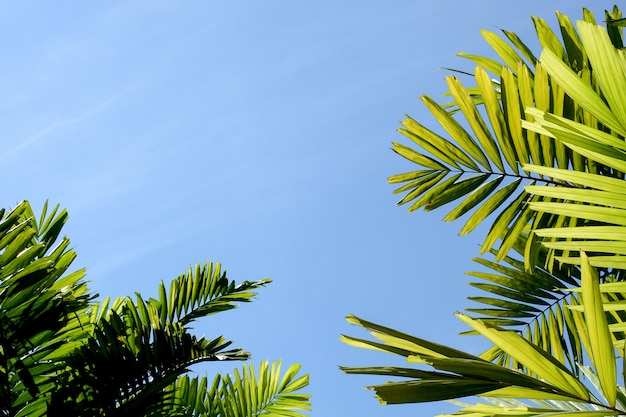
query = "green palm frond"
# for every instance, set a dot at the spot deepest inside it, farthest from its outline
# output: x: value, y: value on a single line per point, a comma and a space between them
x: 531, y: 302
x: 246, y: 393
x: 267, y: 392
x: 567, y: 196
x: 599, y: 200
x: 481, y: 163
x: 599, y: 319
x: 203, y: 291
x: 61, y: 353
x: 545, y: 387
x: 140, y: 347
x: 458, y: 374
x: 128, y: 366
x: 541, y: 149
x: 593, y: 201
x: 613, y: 296
x: 511, y: 407
x: 39, y: 307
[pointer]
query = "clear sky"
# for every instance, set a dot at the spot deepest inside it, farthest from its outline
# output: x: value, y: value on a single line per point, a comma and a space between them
x: 255, y: 134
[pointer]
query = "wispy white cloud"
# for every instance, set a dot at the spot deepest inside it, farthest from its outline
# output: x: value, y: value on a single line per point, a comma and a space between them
x: 57, y: 125
x: 133, y: 249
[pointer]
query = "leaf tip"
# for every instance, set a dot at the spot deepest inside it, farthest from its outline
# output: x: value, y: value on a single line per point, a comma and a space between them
x: 352, y: 319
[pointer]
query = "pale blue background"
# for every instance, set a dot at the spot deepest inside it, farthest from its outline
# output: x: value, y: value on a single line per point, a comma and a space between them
x: 256, y: 134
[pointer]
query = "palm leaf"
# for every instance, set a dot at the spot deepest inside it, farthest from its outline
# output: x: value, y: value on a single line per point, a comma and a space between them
x: 62, y: 354
x: 203, y: 291
x: 245, y: 393
x: 267, y: 392
x: 597, y: 202
x: 458, y: 374
x: 529, y: 302
x: 493, y: 110
x: 567, y: 194
x: 601, y: 353
x: 40, y: 306
x: 555, y: 128
x: 600, y: 207
x: 138, y: 348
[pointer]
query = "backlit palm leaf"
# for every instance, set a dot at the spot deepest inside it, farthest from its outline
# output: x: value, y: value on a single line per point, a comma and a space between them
x: 530, y: 302
x: 546, y: 388
x: 570, y: 155
x: 263, y: 393
x: 483, y: 168
x: 458, y: 374
x: 562, y: 120
x: 598, y: 201
x: 203, y: 291
x: 246, y: 393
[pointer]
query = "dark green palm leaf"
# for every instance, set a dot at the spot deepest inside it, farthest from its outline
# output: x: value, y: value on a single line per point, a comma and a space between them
x: 62, y: 354
x: 534, y: 299
x: 40, y: 305
x: 140, y: 347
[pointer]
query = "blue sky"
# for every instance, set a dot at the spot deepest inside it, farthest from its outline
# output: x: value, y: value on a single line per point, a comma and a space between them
x: 255, y: 134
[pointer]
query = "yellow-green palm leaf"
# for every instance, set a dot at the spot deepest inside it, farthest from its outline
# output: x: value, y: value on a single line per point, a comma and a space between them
x: 246, y: 393
x: 481, y: 163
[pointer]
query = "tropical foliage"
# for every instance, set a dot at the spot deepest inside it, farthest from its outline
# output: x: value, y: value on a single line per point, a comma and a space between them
x: 536, y: 147
x: 63, y: 353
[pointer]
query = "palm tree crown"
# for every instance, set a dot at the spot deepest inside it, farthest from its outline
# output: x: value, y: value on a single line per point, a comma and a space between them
x: 536, y: 145
x: 63, y: 353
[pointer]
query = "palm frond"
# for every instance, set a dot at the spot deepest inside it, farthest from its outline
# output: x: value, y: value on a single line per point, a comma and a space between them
x: 140, y: 347
x: 484, y: 168
x: 40, y: 304
x: 202, y: 291
x: 546, y: 388
x: 538, y: 144
x: 557, y: 186
x: 458, y: 374
x: 531, y: 303
x: 598, y: 203
x: 246, y: 393
x: 63, y: 354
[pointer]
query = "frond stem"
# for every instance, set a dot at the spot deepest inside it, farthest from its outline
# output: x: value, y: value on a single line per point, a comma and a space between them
x: 547, y: 181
